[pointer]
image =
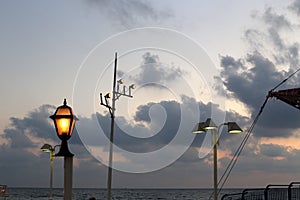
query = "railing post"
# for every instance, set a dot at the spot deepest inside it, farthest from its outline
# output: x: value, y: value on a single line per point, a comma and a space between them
x: 244, y: 193
x: 266, y: 192
x: 290, y: 191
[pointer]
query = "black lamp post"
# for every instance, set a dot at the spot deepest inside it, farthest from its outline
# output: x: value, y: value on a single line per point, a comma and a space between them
x: 202, y: 127
x: 51, y: 150
x: 64, y: 122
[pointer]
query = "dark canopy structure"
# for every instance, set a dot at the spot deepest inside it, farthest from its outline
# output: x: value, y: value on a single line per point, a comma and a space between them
x: 289, y: 96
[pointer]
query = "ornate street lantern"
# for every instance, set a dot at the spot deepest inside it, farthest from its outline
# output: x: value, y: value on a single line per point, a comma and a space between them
x: 64, y: 122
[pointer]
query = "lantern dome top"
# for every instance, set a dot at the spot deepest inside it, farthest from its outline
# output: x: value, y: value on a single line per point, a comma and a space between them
x: 63, y: 110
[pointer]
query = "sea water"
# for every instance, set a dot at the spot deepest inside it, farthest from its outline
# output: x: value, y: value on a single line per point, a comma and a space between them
x: 117, y: 194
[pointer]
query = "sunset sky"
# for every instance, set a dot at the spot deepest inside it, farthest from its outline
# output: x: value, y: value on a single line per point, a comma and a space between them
x: 190, y: 60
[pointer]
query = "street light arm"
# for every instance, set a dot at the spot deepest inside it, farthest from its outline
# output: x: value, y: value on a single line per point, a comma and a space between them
x: 58, y: 145
x: 106, y: 104
x: 218, y: 133
x: 52, y: 153
x: 101, y: 99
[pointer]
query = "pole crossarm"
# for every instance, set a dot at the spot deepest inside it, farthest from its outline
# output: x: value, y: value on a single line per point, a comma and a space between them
x: 122, y: 94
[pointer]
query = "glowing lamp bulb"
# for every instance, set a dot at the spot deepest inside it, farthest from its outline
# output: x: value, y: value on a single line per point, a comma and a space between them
x: 64, y: 125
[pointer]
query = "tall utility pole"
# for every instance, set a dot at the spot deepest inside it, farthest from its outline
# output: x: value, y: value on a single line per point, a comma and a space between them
x: 112, y: 124
x: 116, y: 93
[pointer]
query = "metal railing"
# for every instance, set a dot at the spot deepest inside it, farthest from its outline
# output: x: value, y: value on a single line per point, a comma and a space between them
x: 233, y: 196
x: 271, y: 192
x: 253, y: 194
x: 276, y: 192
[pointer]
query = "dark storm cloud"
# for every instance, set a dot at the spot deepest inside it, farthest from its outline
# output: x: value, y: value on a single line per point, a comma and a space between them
x: 273, y: 38
x: 170, y: 127
x: 23, y: 161
x: 293, y: 55
x: 22, y: 168
x: 142, y: 113
x: 271, y: 150
x: 295, y: 7
x: 36, y: 124
x: 287, y: 51
x: 249, y: 78
x: 25, y: 165
x: 128, y: 14
x: 275, y: 20
x: 158, y: 139
x: 120, y: 73
x: 155, y: 72
x: 17, y: 155
x: 18, y: 159
x: 249, y: 81
x: 275, y: 158
x: 274, y: 24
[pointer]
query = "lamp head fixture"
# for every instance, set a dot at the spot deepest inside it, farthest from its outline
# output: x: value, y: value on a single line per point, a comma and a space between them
x: 47, y: 148
x: 199, y: 128
x: 132, y: 86
x: 121, y: 81
x: 209, y: 124
x: 233, y: 128
x: 108, y: 96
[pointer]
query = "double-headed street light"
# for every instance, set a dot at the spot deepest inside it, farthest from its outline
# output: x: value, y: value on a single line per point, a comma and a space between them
x: 116, y: 94
x: 202, y: 127
x: 51, y: 150
x: 64, y: 122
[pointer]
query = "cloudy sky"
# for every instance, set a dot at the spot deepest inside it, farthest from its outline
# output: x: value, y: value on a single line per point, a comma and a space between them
x: 190, y: 60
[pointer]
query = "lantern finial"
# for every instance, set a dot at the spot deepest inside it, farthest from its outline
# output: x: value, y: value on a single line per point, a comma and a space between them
x: 65, y: 102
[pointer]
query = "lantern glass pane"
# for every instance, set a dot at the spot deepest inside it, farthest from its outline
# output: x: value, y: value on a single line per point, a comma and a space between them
x: 72, y: 126
x: 63, y: 125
